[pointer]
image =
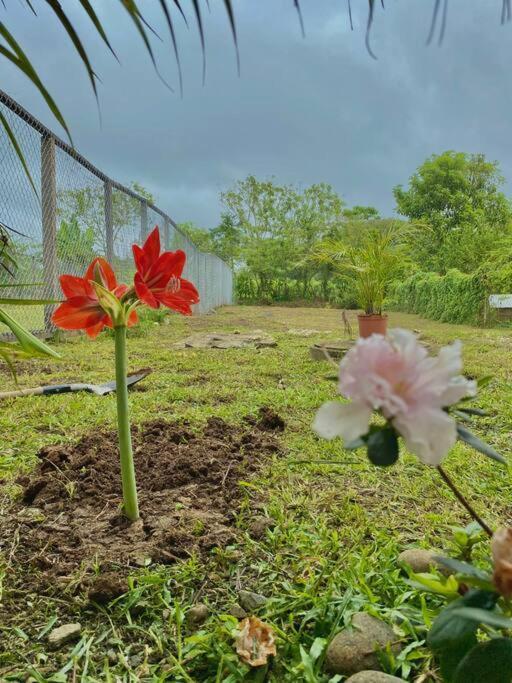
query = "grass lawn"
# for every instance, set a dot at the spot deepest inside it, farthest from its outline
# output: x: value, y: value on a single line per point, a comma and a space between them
x: 339, y: 528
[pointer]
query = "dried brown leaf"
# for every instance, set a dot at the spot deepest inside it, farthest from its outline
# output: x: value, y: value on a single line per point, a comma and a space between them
x: 255, y: 641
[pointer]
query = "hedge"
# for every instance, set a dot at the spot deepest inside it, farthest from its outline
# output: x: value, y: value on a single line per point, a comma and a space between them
x: 453, y: 298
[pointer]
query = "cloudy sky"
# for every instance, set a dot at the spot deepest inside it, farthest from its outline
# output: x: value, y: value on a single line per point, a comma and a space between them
x: 303, y: 110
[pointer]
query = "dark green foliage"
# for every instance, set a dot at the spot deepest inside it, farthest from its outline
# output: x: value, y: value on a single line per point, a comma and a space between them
x: 455, y: 297
x: 453, y: 635
x: 490, y: 661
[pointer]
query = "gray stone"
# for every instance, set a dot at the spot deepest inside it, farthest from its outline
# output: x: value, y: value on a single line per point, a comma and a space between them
x: 355, y: 649
x: 259, y: 525
x: 238, y: 612
x: 227, y: 340
x: 251, y: 601
x: 421, y: 560
x: 373, y: 677
x: 197, y: 615
x: 63, y: 634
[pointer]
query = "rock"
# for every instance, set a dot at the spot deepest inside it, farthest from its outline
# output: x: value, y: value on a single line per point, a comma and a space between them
x: 63, y: 634
x: 226, y: 340
x: 251, y: 601
x: 373, y: 677
x: 259, y: 526
x: 354, y: 649
x: 197, y: 615
x: 238, y: 612
x: 421, y: 560
x: 305, y: 332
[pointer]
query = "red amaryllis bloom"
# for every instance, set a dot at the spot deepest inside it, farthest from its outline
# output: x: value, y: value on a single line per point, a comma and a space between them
x: 81, y: 310
x: 158, y: 278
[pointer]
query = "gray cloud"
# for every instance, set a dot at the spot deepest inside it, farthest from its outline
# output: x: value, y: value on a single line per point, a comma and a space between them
x: 303, y: 110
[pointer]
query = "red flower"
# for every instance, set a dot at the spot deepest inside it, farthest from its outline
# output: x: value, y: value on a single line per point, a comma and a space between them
x: 158, y: 278
x: 81, y: 310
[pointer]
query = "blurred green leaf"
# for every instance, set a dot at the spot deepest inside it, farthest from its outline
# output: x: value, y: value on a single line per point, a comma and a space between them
x: 383, y: 447
x: 479, y: 445
x: 27, y: 341
x: 17, y: 149
x: 490, y: 661
x: 484, y: 616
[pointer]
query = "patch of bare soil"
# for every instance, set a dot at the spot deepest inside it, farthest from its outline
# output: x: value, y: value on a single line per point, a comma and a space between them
x: 67, y: 518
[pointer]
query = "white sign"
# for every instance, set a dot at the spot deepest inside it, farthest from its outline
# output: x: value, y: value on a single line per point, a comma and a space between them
x: 500, y: 301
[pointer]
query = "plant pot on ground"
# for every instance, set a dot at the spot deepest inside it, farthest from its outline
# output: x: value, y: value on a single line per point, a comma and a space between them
x: 372, y: 323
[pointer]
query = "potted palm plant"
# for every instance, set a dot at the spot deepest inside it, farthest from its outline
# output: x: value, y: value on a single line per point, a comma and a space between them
x: 370, y: 266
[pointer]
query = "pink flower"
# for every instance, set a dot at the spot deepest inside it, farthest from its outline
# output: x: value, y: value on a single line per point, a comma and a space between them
x: 396, y: 376
x: 501, y: 549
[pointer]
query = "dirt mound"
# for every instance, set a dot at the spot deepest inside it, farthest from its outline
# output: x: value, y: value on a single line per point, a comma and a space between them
x: 67, y: 518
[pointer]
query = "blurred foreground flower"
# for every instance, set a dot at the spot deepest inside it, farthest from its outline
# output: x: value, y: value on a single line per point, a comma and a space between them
x: 501, y: 549
x: 395, y: 376
x: 255, y: 642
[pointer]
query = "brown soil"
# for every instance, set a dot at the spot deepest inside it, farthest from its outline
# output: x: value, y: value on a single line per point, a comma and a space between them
x: 67, y: 519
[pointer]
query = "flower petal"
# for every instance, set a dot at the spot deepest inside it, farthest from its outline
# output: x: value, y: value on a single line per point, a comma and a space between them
x: 348, y: 420
x: 93, y: 330
x: 151, y: 246
x: 75, y: 286
x: 107, y: 275
x: 457, y: 389
x: 429, y: 433
x: 143, y: 292
x: 77, y: 313
x: 141, y: 262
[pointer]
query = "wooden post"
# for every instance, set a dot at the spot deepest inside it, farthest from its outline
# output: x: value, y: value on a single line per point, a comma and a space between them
x: 143, y: 221
x: 49, y: 221
x: 109, y: 226
x: 167, y: 235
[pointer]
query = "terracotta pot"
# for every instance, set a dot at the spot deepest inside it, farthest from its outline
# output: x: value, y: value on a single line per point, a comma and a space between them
x: 372, y: 323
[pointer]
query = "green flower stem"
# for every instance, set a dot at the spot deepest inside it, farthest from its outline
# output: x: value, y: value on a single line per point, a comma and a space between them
x: 130, y: 502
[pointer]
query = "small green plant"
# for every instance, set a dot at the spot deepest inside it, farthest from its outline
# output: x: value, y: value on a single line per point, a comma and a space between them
x: 470, y: 636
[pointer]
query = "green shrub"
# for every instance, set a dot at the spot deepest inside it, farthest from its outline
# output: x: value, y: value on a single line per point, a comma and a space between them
x: 455, y: 297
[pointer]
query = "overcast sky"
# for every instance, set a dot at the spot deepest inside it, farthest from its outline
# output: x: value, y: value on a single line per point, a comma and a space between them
x: 305, y: 110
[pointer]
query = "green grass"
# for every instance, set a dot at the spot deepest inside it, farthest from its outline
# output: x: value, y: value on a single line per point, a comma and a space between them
x: 339, y: 528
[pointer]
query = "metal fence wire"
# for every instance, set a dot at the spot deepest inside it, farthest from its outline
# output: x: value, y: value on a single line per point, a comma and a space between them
x: 79, y: 213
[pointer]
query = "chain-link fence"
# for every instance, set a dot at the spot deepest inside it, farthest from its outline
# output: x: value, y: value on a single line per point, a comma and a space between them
x: 76, y: 213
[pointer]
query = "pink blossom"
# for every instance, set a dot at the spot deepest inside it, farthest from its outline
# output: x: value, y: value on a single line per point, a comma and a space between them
x: 396, y: 376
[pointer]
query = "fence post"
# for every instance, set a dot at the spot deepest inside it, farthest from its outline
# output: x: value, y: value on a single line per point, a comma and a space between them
x: 143, y: 221
x: 49, y: 220
x: 109, y: 226
x: 167, y: 235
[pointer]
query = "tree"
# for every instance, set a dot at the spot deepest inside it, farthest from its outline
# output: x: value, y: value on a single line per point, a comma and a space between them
x: 273, y: 228
x: 199, y: 236
x: 75, y: 246
x: 457, y: 197
x: 86, y: 207
x: 226, y: 240
x: 361, y: 213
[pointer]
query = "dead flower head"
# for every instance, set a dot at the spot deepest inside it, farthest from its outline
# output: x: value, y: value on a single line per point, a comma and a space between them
x: 501, y: 548
x: 255, y: 641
